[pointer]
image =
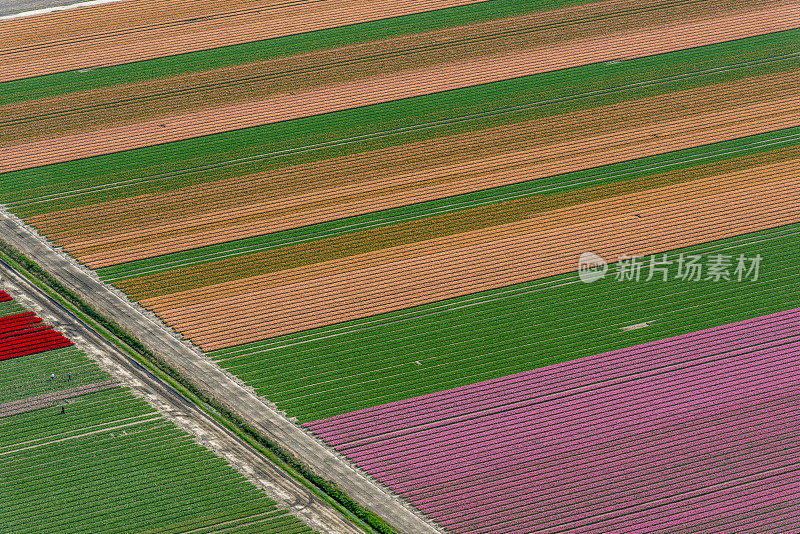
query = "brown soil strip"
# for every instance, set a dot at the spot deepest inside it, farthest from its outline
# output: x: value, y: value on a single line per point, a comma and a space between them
x: 90, y: 110
x: 122, y: 239
x: 356, y: 243
x: 487, y: 264
x: 50, y: 399
x: 408, y: 83
x: 136, y: 30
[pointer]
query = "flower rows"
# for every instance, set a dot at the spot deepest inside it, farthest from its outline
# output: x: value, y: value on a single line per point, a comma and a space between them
x: 22, y: 334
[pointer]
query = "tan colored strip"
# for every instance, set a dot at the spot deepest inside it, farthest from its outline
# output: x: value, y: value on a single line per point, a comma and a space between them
x: 137, y: 30
x: 508, y: 259
x: 414, y: 82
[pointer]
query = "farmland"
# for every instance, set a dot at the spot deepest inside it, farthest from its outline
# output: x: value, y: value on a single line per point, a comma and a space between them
x: 381, y: 359
x: 108, y: 461
x: 22, y: 335
x: 324, y: 136
x: 302, y: 246
x: 683, y: 434
x: 675, y: 33
x: 412, y: 254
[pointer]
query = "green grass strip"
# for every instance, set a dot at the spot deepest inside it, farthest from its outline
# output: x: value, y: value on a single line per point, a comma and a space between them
x: 357, y: 364
x: 27, y: 376
x: 146, y: 478
x: 200, y: 160
x: 215, y: 58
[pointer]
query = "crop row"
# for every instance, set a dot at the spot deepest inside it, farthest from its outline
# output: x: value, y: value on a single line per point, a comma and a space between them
x: 363, y: 363
x: 30, y: 377
x: 245, y: 251
x: 608, y: 441
x: 95, y: 465
x: 508, y: 390
x: 175, y: 165
x: 21, y: 335
x: 74, y: 81
x: 109, y: 462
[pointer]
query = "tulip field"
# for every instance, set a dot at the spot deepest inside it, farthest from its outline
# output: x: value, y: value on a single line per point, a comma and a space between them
x: 21, y: 334
x: 350, y: 366
x: 525, y: 265
x: 108, y: 462
x: 688, y: 433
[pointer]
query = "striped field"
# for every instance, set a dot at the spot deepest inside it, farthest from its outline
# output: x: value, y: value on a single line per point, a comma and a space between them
x: 379, y: 217
x: 691, y: 433
x: 80, y: 453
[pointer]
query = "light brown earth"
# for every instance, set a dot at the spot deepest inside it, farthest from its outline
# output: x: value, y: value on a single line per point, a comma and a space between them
x: 544, y: 245
x: 124, y: 104
x: 153, y: 224
x: 136, y: 30
x: 405, y: 84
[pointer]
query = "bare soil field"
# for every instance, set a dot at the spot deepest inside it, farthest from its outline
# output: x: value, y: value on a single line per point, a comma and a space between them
x: 405, y: 84
x: 115, y: 232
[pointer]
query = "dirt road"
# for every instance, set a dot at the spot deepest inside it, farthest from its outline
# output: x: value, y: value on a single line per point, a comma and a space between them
x: 216, y: 384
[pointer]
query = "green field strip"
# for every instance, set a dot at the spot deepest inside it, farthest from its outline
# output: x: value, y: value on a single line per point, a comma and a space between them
x: 358, y: 364
x: 439, y: 367
x: 226, y: 254
x: 110, y: 462
x: 113, y: 483
x: 282, y: 525
x: 95, y: 410
x: 202, y: 524
x: 227, y: 521
x: 174, y: 165
x: 28, y: 376
x: 74, y: 81
x: 150, y: 476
